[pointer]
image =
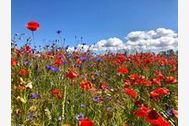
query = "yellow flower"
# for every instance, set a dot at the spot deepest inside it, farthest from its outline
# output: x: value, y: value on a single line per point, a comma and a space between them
x: 33, y: 108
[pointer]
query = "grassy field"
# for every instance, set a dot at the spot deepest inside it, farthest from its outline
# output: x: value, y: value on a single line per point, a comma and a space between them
x: 59, y: 88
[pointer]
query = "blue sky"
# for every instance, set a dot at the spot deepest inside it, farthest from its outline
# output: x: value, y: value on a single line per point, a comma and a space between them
x: 94, y: 20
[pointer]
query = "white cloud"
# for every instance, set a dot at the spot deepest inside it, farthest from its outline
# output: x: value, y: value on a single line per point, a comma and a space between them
x: 110, y: 44
x: 154, y: 40
x: 159, y: 39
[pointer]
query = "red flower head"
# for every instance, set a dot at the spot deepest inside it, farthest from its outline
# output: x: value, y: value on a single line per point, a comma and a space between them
x: 23, y: 72
x: 171, y: 80
x: 86, y: 85
x: 72, y: 74
x: 134, y: 77
x: 142, y: 111
x: 159, y: 75
x: 32, y: 26
x: 57, y: 93
x: 123, y: 70
x: 131, y: 92
x: 120, y: 58
x: 158, y: 92
x: 27, y: 49
x: 85, y: 122
x: 58, y: 62
x: 155, y: 119
x: 13, y: 62
x: 146, y: 82
x: 157, y: 81
x: 78, y: 61
x: 152, y: 115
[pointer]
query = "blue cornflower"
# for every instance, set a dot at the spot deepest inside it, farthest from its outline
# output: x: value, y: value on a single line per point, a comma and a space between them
x: 80, y: 116
x: 48, y: 67
x: 26, y: 63
x: 96, y: 99
x: 83, y: 58
x: 64, y: 62
x: 34, y: 96
x: 52, y: 68
x: 55, y: 69
x: 170, y: 112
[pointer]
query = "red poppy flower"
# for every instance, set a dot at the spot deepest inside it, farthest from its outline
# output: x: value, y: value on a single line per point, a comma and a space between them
x: 85, y: 122
x: 157, y: 81
x: 147, y: 61
x: 171, y: 80
x: 86, y: 85
x: 49, y: 54
x: 120, y: 59
x: 123, y: 70
x: 131, y: 92
x: 78, y: 61
x: 142, y: 111
x: 13, y: 62
x: 158, y: 92
x: 134, y: 76
x: 152, y: 115
x: 57, y: 93
x: 27, y: 48
x: 32, y: 26
x: 155, y: 119
x: 58, y: 62
x: 159, y: 75
x: 72, y: 74
x: 23, y: 72
x: 146, y: 82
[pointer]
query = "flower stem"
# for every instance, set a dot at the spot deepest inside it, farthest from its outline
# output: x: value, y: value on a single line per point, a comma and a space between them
x: 33, y: 38
x: 63, y: 104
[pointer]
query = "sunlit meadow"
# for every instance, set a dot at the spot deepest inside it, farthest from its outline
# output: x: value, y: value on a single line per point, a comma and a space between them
x: 55, y: 87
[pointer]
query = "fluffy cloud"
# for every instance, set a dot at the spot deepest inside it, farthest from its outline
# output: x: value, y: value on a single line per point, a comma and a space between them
x: 111, y: 44
x: 154, y: 40
x: 159, y: 39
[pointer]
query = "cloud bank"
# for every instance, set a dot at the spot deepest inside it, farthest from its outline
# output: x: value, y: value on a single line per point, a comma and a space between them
x: 153, y: 40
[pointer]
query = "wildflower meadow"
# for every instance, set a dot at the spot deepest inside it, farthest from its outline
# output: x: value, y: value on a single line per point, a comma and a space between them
x: 56, y: 87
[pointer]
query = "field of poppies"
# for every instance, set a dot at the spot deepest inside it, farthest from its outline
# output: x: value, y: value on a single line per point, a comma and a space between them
x: 55, y: 87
